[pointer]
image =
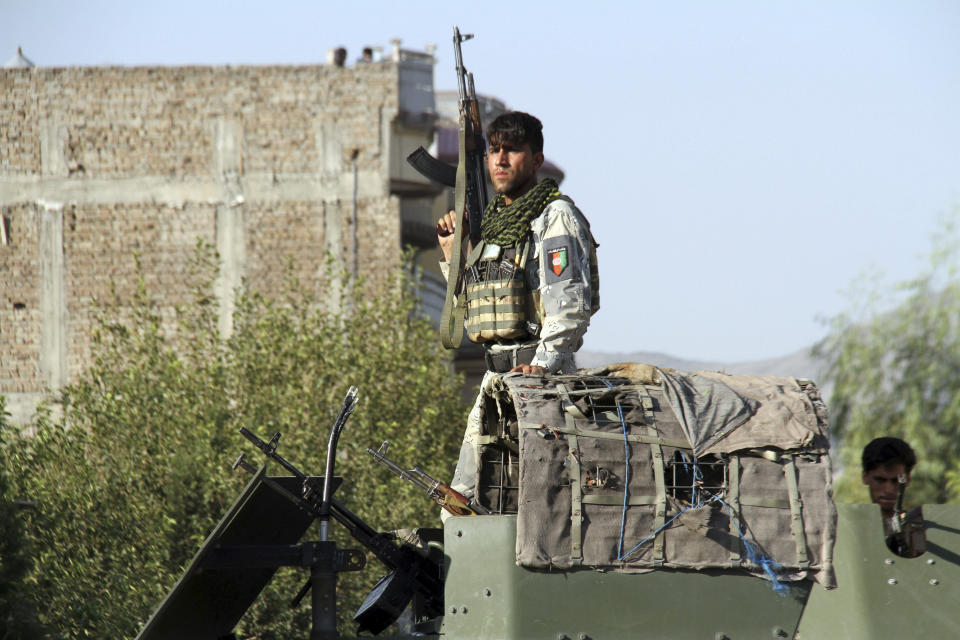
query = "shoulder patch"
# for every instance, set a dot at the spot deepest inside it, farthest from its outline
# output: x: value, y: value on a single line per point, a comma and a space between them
x: 560, y: 259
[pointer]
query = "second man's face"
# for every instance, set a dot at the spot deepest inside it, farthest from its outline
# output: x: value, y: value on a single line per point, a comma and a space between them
x: 882, y: 483
x: 513, y: 168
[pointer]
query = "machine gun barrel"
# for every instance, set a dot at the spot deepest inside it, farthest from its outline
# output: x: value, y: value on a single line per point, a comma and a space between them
x: 270, y: 449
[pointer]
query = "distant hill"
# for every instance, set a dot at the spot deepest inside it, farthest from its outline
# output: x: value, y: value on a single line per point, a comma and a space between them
x: 800, y: 364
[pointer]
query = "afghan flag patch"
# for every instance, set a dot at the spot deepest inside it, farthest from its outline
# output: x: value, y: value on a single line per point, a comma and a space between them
x: 558, y: 260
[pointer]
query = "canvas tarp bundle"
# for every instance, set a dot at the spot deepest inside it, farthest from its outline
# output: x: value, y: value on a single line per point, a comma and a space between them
x: 608, y: 477
x: 720, y: 413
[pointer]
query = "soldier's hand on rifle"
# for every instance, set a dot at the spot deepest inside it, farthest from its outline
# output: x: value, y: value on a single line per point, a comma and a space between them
x: 445, y: 228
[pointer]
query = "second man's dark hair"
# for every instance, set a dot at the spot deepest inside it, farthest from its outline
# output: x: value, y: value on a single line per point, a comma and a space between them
x: 516, y: 127
x: 883, y: 451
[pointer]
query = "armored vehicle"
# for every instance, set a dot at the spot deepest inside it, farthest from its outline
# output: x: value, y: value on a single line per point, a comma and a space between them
x: 622, y: 502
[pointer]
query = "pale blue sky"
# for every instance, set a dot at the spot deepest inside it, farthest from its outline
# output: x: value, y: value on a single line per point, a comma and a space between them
x: 741, y: 162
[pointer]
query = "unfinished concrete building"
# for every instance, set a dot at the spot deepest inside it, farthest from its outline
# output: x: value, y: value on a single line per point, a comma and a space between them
x: 264, y: 163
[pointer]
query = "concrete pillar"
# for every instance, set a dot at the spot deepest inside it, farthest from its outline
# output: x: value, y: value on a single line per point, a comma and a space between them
x: 231, y: 220
x: 53, y: 298
x: 329, y: 149
x: 53, y: 145
x: 330, y: 153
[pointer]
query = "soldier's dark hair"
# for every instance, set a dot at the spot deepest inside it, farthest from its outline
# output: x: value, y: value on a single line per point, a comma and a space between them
x: 885, y: 451
x: 516, y: 127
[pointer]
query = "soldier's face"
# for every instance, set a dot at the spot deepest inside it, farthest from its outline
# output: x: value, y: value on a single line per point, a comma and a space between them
x: 513, y: 168
x: 882, y: 482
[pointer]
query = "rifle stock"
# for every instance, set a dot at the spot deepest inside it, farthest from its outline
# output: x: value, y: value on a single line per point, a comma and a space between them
x: 454, y: 502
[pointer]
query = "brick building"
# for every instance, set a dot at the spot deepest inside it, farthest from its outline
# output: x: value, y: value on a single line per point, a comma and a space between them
x: 264, y: 163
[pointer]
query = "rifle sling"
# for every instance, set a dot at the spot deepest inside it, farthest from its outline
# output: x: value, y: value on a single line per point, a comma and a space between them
x: 454, y: 306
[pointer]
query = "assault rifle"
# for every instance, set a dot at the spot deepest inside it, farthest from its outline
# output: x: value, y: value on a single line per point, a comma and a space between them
x: 907, y: 536
x: 470, y: 194
x: 411, y: 572
x: 440, y: 492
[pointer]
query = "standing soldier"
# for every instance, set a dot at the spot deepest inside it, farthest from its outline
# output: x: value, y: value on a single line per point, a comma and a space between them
x: 531, y: 283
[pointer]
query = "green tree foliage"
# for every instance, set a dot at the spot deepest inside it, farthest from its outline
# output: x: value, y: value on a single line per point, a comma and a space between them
x: 18, y: 616
x: 897, y: 372
x: 137, y: 472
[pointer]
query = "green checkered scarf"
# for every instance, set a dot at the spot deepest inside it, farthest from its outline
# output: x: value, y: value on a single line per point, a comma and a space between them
x: 507, y: 226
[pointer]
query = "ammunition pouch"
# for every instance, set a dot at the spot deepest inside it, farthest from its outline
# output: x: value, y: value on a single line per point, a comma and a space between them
x: 497, y: 307
x: 497, y: 310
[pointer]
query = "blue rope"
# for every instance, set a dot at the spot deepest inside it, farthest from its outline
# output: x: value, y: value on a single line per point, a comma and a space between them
x: 665, y: 525
x: 754, y: 555
x: 757, y: 558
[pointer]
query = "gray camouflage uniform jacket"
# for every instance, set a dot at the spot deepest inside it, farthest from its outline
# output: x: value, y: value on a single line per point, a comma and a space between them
x: 558, y: 273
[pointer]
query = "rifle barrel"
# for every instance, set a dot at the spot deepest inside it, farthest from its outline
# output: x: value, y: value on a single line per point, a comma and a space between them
x: 398, y: 470
x: 458, y: 56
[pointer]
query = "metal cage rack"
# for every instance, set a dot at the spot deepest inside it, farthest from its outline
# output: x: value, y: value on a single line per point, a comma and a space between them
x: 600, y: 400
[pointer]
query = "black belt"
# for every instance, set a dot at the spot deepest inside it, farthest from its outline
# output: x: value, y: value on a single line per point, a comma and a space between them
x: 503, y: 361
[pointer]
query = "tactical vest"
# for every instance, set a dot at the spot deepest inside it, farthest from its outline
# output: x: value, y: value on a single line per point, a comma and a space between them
x: 499, y: 304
